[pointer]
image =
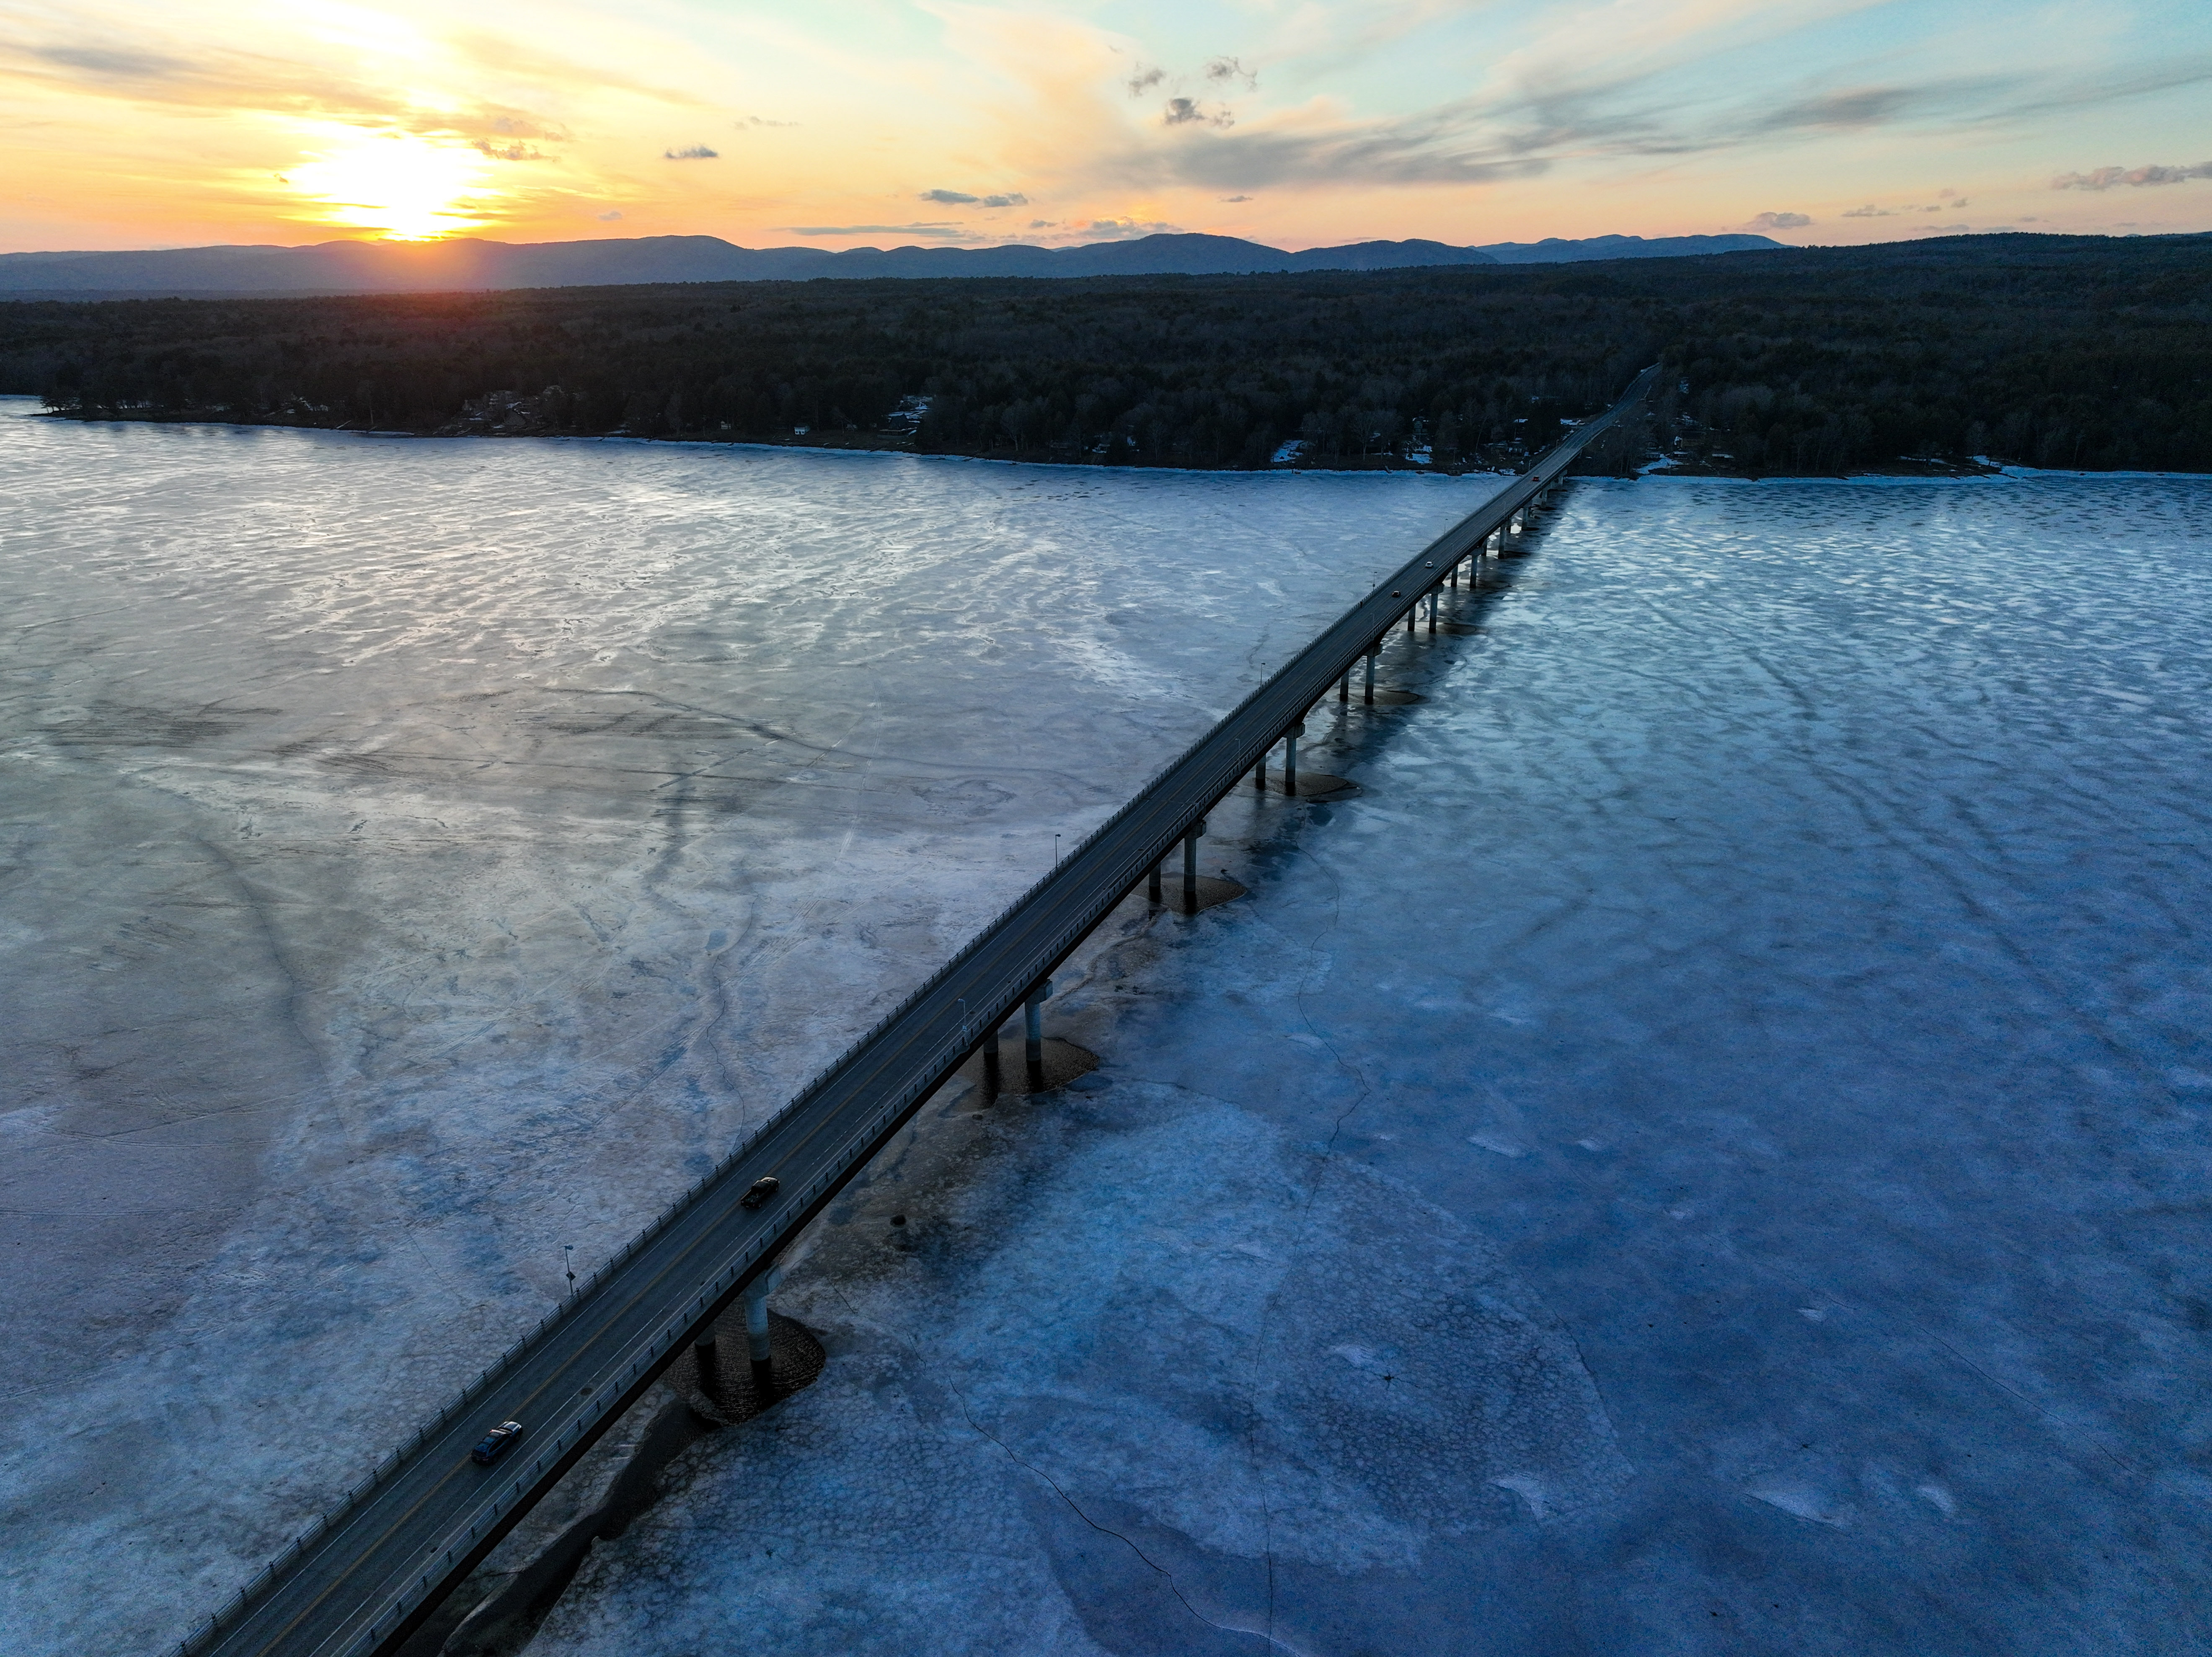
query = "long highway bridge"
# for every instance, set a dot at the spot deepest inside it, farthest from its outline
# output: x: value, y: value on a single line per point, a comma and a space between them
x: 368, y: 1572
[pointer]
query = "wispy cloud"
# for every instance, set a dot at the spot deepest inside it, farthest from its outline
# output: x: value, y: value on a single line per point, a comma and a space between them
x: 2105, y: 177
x: 357, y: 92
x: 1184, y: 112
x: 208, y: 79
x: 691, y: 153
x: 1128, y: 229
x: 962, y: 198
x: 940, y: 231
x: 1843, y: 112
x: 1778, y: 221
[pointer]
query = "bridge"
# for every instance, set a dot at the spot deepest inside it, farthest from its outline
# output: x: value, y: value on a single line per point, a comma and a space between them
x: 368, y: 1572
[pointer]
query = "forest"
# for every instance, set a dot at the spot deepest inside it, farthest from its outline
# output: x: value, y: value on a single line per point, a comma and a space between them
x: 2088, y: 353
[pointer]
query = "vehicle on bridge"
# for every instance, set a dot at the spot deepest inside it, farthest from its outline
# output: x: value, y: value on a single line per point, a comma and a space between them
x: 495, y: 1443
x: 760, y: 1191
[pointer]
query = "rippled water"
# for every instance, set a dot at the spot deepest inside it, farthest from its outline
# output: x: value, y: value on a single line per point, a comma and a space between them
x: 424, y: 855
x: 1708, y: 1152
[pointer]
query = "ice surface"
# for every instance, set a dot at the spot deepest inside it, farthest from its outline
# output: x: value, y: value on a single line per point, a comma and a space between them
x: 1808, y: 882
x: 422, y: 855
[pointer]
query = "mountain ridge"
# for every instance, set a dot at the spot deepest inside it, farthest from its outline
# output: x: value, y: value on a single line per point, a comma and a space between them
x: 473, y: 264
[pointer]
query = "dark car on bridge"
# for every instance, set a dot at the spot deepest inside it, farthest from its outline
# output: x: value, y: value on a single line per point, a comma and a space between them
x: 495, y: 1443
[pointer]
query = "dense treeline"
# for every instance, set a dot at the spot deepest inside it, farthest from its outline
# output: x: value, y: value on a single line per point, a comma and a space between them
x: 2050, y: 351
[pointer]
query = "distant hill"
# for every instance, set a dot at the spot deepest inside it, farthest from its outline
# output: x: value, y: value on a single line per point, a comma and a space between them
x: 1552, y: 251
x: 466, y: 265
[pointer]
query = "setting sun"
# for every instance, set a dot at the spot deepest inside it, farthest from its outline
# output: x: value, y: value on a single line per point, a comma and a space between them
x: 413, y: 189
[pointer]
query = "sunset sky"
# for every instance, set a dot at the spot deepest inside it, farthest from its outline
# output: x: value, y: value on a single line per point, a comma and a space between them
x: 1298, y: 123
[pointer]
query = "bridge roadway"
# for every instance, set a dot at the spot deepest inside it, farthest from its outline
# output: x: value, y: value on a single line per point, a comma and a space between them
x: 366, y: 1575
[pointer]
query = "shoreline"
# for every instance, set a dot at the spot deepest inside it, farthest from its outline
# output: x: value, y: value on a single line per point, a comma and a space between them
x: 1929, y: 471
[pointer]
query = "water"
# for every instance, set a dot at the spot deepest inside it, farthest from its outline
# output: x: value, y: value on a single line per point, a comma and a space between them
x: 424, y: 855
x: 1707, y: 1153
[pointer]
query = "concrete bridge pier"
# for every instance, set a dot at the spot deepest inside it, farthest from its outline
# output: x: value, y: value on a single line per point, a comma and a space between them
x: 1373, y: 651
x: 1033, y: 1035
x: 758, y: 1348
x: 1344, y: 690
x: 1190, y: 867
x: 994, y: 1081
x: 703, y: 1353
x: 1435, y: 595
x: 1291, y: 759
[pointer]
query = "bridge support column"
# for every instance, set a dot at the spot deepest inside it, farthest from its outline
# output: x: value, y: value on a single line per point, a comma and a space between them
x: 757, y: 1340
x: 1344, y: 690
x: 1153, y: 885
x: 1291, y: 759
x: 1374, y: 650
x: 1190, y: 867
x: 1433, y: 596
x: 994, y: 1081
x: 1033, y: 1035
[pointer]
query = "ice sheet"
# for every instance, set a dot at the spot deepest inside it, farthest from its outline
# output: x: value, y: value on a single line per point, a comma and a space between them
x: 1767, y: 980
x: 421, y: 856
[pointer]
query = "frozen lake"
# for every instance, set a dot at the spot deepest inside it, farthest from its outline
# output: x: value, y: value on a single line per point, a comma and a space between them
x: 423, y: 855
x: 1707, y: 1154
